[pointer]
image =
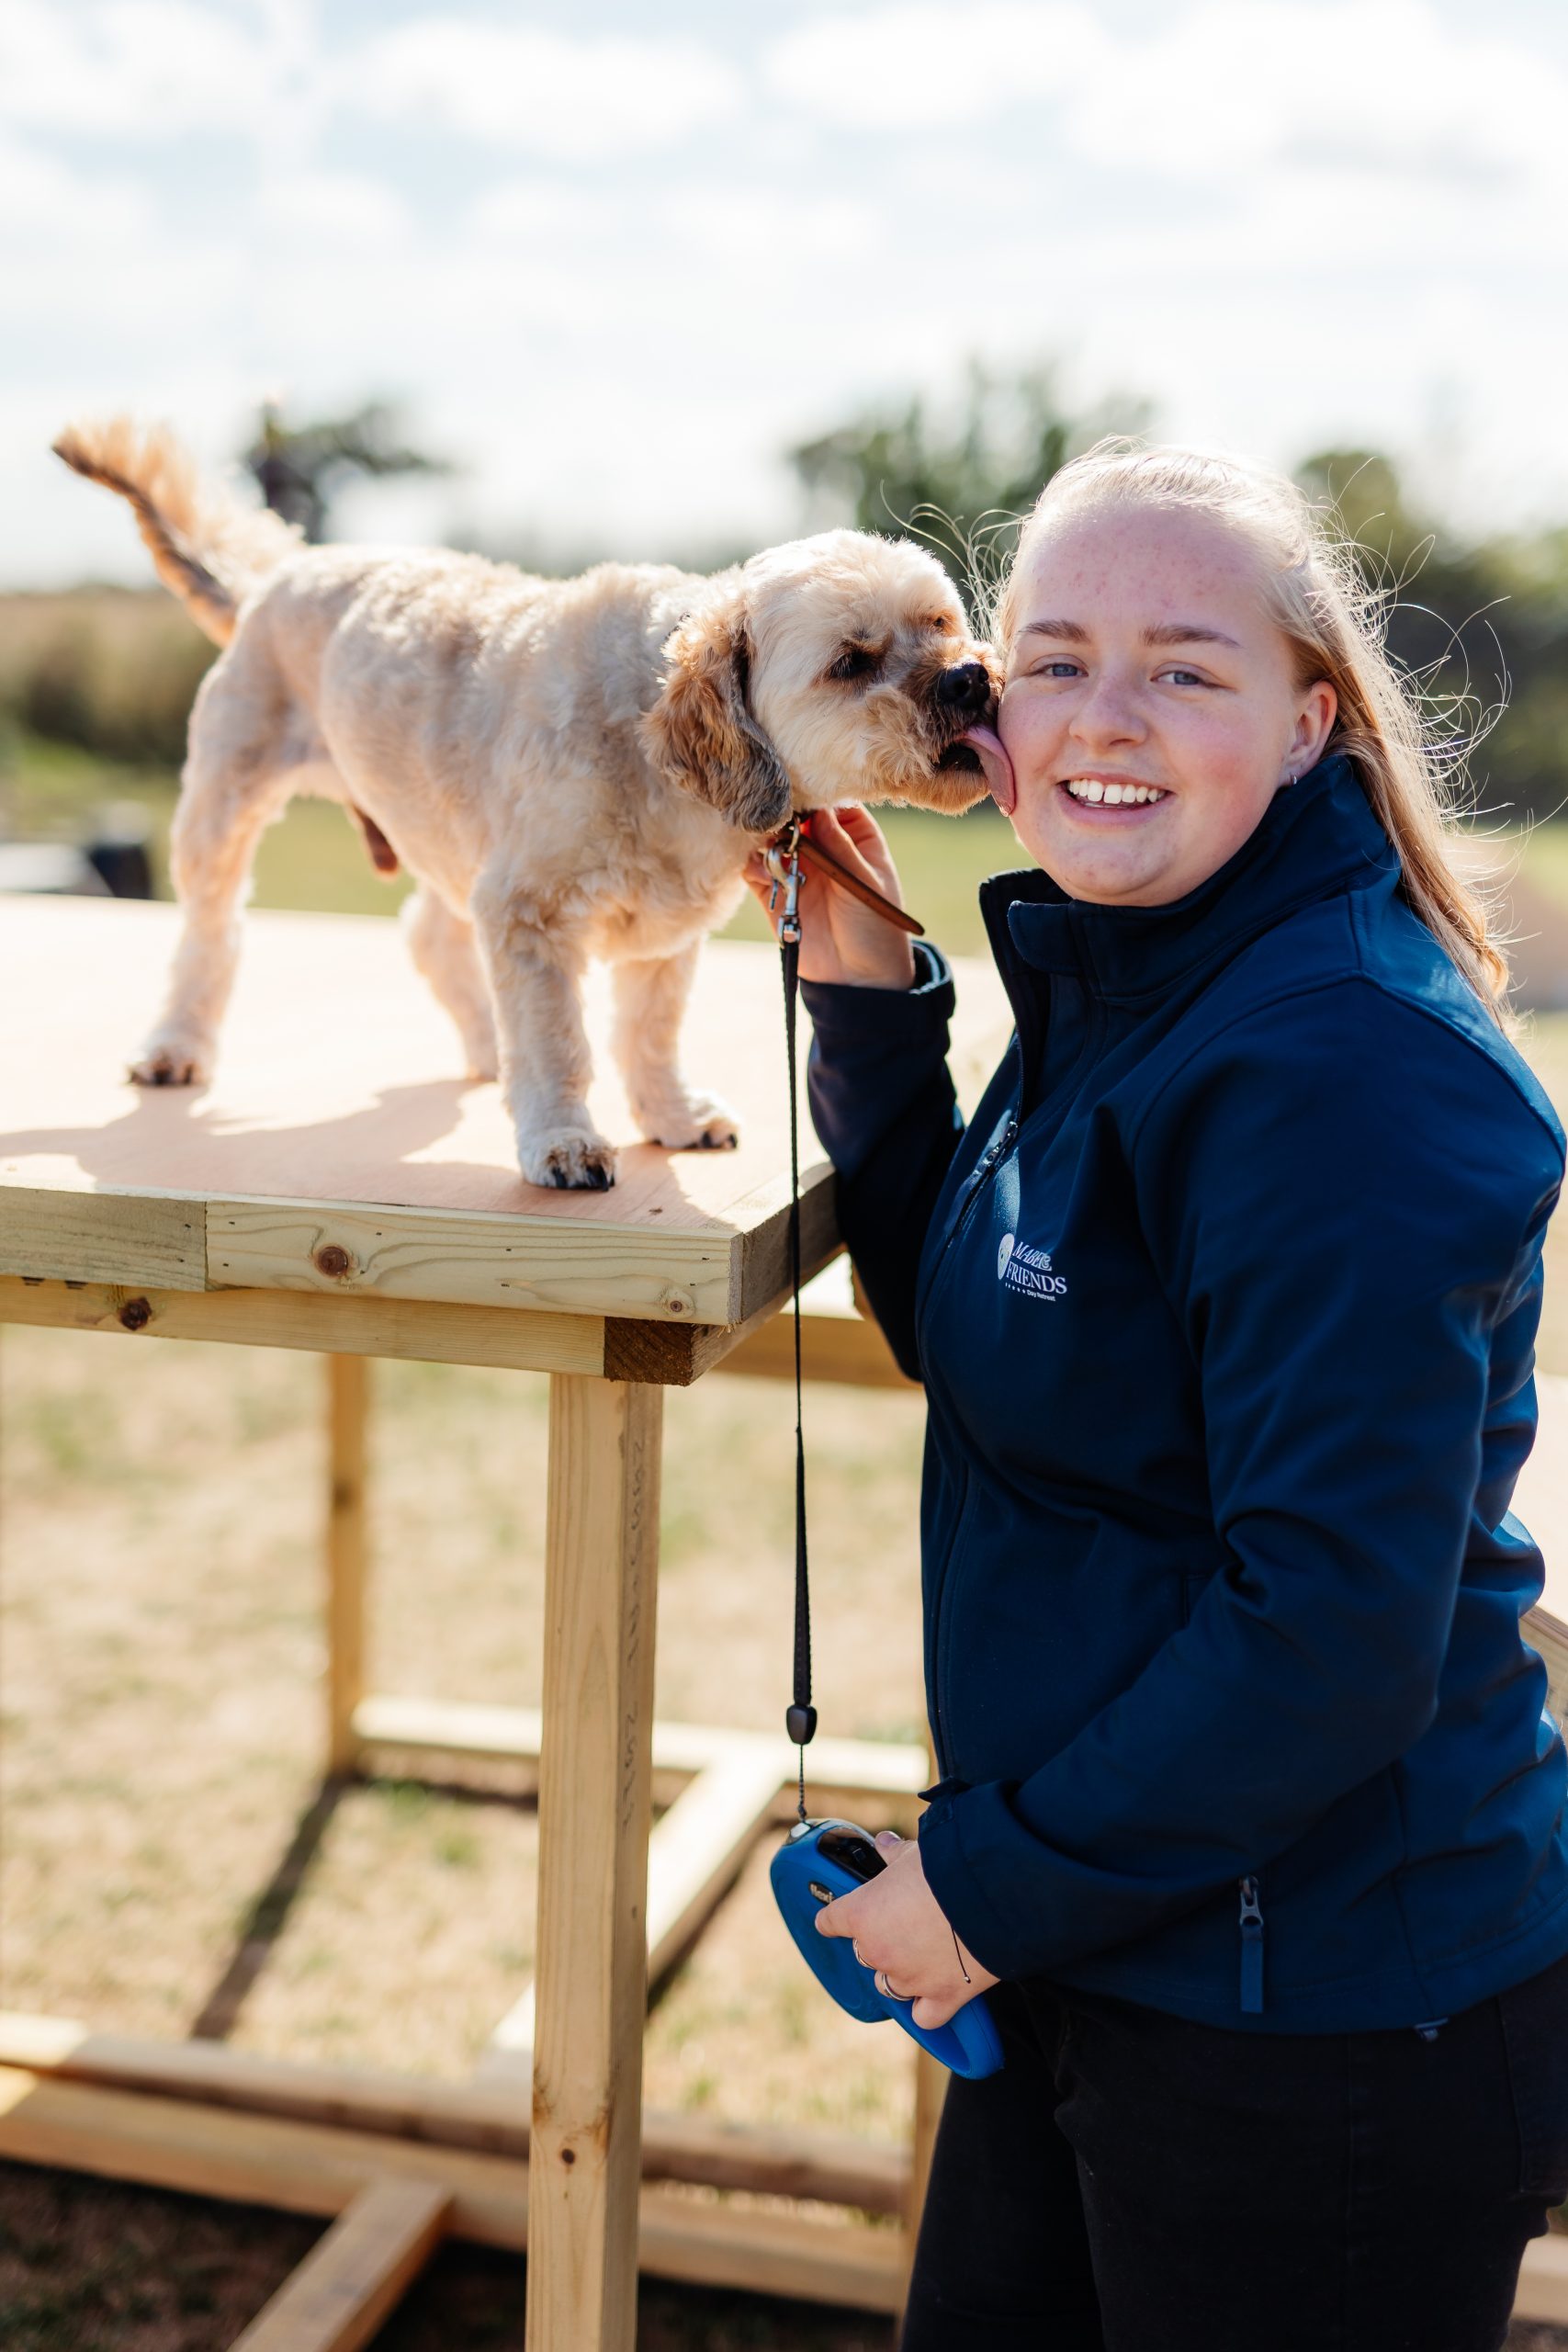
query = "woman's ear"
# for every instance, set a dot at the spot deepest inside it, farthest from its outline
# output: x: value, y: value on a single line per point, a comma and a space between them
x: 1315, y: 725
x: 700, y: 734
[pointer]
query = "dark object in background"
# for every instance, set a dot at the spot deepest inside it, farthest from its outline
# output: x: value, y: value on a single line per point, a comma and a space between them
x: 115, y: 863
x: 119, y: 850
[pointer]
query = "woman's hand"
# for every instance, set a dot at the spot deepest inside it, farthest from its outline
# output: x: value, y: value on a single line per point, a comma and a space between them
x: 839, y: 939
x: 898, y: 1927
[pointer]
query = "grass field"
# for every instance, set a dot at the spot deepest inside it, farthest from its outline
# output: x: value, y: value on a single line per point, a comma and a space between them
x: 314, y: 857
x: 169, y: 1863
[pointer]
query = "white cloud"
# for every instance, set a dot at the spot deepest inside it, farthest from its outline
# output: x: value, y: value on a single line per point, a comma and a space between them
x: 1381, y: 85
x: 339, y: 207
x: 137, y: 68
x: 1386, y: 87
x: 574, y: 99
x: 61, y: 208
x: 545, y: 211
x: 922, y: 66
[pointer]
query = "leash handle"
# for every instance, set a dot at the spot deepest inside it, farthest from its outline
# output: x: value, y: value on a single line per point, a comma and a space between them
x: 819, y: 858
x: 783, y: 859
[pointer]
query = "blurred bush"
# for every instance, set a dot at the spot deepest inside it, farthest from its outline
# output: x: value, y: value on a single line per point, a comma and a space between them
x: 1483, y: 625
x: 111, y: 670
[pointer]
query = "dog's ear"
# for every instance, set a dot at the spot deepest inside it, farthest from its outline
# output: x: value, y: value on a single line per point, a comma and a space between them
x: 700, y: 734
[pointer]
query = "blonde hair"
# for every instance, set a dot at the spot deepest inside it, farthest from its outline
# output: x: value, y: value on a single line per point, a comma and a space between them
x: 1408, y: 756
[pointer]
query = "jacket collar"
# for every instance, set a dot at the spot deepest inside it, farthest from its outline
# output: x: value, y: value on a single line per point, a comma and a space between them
x: 1316, y: 836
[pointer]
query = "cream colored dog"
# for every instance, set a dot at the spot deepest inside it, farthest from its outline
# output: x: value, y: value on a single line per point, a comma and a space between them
x: 569, y: 768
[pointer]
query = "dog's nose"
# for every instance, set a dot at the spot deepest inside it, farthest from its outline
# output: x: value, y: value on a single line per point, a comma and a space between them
x: 965, y: 689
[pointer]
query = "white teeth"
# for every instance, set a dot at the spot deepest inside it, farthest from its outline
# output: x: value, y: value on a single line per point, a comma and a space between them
x: 1091, y: 788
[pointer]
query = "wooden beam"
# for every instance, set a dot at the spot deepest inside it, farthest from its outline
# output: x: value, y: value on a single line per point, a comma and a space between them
x: 832, y: 1347
x: 696, y: 1854
x: 347, y: 1389
x: 247, y: 2159
x: 694, y: 1858
x: 301, y: 2169
x: 839, y: 1771
x: 602, y: 1548
x: 348, y: 2284
x: 836, y: 2168
x: 463, y: 1259
x: 103, y: 1237
x: 410, y: 1329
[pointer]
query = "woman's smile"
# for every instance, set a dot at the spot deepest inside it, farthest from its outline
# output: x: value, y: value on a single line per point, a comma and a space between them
x: 1106, y: 797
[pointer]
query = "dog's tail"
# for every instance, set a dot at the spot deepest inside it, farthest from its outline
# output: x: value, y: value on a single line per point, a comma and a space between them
x: 208, y: 548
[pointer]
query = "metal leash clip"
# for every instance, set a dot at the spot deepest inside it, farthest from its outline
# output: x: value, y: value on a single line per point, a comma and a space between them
x: 782, y: 858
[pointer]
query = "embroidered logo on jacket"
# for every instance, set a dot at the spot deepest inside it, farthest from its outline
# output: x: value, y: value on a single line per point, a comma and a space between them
x: 1028, y: 1271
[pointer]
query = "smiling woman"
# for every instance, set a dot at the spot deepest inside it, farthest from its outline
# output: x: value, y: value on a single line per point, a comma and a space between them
x: 1250, y: 1821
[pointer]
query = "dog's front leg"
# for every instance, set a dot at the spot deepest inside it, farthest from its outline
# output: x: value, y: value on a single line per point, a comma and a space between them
x: 650, y: 996
x: 534, y: 973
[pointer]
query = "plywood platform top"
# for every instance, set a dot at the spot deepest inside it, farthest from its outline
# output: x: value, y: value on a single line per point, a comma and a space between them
x: 338, y: 1126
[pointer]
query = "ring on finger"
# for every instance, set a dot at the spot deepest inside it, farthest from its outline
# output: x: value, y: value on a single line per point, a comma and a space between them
x: 883, y: 1987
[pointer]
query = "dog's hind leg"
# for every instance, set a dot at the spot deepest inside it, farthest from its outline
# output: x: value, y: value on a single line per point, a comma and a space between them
x: 236, y: 781
x: 650, y: 996
x: 443, y: 949
x: 535, y: 971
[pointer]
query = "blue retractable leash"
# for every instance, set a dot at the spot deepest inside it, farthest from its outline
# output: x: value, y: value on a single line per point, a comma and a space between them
x: 822, y: 1858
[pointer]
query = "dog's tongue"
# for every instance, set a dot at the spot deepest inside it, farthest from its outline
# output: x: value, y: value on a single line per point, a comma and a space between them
x: 996, y: 765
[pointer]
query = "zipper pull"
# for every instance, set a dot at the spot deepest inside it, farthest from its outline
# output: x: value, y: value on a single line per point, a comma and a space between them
x: 1003, y: 1145
x: 1251, y: 1950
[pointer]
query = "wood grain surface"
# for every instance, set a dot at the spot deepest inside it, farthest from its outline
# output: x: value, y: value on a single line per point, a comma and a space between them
x: 338, y: 1149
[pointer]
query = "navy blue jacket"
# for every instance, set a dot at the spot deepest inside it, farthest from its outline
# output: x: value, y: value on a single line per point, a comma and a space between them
x: 1226, y: 1303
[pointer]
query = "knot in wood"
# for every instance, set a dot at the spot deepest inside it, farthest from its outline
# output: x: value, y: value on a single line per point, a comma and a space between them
x: 678, y: 1301
x: 135, y: 1314
x: 332, y: 1259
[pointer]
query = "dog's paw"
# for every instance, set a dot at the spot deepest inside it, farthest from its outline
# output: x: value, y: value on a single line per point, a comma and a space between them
x: 172, y: 1062
x: 703, y: 1123
x: 575, y: 1159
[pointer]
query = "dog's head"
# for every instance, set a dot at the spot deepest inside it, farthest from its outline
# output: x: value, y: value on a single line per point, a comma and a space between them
x: 834, y: 668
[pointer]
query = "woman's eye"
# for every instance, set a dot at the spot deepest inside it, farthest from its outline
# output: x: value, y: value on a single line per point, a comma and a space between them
x: 1057, y: 670
x: 856, y: 661
x: 1185, y: 678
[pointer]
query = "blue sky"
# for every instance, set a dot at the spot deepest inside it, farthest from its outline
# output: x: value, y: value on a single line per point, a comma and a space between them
x: 615, y: 258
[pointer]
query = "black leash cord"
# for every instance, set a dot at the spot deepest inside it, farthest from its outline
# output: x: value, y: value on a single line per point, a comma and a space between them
x: 800, y: 1718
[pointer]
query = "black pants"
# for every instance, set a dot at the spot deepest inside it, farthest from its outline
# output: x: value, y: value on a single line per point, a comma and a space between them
x: 1130, y: 2182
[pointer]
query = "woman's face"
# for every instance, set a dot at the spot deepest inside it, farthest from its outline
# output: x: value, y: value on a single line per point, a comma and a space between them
x: 1144, y: 662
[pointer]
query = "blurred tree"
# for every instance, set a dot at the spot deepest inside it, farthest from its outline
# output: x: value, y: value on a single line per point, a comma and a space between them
x: 963, y: 482
x: 299, y: 468
x: 1482, y: 625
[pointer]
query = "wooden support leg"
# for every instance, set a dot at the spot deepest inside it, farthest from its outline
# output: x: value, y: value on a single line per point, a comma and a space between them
x: 594, y: 1780
x: 348, y: 1388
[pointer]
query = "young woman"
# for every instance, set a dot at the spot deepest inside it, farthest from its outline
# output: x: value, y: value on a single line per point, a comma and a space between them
x: 1250, y: 1821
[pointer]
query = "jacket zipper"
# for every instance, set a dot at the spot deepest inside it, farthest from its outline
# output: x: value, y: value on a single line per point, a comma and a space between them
x: 985, y: 1168
x: 1251, y: 1949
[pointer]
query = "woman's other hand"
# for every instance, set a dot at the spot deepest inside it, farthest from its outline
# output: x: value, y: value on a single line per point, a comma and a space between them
x: 897, y: 1925
x: 839, y: 938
